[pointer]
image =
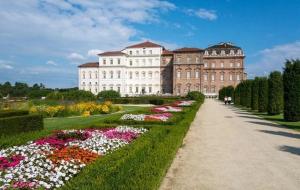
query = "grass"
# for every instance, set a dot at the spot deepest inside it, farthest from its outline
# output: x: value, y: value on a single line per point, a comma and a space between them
x: 274, y: 118
x: 139, y: 165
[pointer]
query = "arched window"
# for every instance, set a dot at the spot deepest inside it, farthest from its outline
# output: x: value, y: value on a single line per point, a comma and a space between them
x: 137, y: 75
x: 119, y: 74
x: 150, y: 74
x: 143, y: 74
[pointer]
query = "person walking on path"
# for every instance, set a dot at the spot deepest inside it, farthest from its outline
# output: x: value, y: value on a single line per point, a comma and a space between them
x: 225, y: 100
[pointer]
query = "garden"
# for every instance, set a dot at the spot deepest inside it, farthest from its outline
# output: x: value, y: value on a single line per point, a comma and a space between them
x: 131, y: 149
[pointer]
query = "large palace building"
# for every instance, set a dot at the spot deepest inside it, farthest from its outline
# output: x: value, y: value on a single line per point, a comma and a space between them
x: 148, y: 68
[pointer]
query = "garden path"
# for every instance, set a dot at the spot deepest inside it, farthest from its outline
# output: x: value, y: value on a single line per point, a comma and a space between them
x: 227, y: 148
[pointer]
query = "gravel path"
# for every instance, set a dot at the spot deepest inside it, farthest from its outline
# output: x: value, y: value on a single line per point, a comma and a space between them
x: 230, y: 149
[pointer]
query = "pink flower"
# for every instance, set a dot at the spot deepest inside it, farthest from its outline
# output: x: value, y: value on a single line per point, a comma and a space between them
x: 8, y: 162
x: 126, y: 136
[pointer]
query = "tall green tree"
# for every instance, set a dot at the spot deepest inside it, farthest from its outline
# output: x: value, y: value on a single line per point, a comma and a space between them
x: 275, y: 101
x: 254, y: 96
x: 291, y: 86
x: 248, y: 93
x: 237, y: 94
x: 263, y: 95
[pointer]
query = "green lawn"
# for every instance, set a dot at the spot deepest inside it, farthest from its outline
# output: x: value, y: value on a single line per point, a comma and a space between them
x: 274, y: 118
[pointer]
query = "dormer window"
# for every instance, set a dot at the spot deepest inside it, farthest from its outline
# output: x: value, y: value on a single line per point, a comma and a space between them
x: 239, y: 52
x: 222, y: 52
x: 214, y: 52
x: 104, y: 61
x: 206, y: 53
x: 231, y: 52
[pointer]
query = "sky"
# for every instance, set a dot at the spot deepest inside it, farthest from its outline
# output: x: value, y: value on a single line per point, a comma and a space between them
x: 43, y: 41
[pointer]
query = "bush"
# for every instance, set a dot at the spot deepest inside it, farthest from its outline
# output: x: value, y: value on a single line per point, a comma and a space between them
x: 237, y: 95
x: 275, y: 102
x: 195, y: 95
x: 156, y: 101
x: 291, y: 85
x: 18, y: 124
x: 142, y: 99
x: 73, y: 95
x: 109, y: 94
x: 10, y: 113
x: 254, y: 96
x: 263, y: 95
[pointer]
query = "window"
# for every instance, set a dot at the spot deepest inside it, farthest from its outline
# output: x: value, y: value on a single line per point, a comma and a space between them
x: 222, y: 52
x: 231, y: 64
x: 222, y: 77
x: 197, y: 59
x: 205, y: 89
x: 111, y: 74
x: 150, y: 51
x: 83, y: 75
x: 188, y: 60
x: 83, y: 84
x: 96, y: 90
x: 143, y: 74
x: 130, y: 75
x: 130, y: 62
x: 213, y: 89
x: 136, y: 89
x: 96, y: 83
x: 90, y: 83
x: 119, y: 61
x: 213, y: 65
x: 130, y: 52
x: 214, y: 52
x: 119, y: 89
x: 104, y: 88
x: 237, y: 77
x: 197, y: 74
x: 150, y: 75
x: 150, y: 61
x: 178, y: 60
x: 111, y: 61
x: 238, y: 64
x: 104, y: 61
x: 136, y: 75
x: 231, y: 52
x: 213, y: 77
x: 150, y: 89
x: 90, y: 74
x: 137, y: 62
x: 104, y: 74
x: 230, y: 77
x: 144, y: 61
x: 119, y: 74
x: 144, y: 52
x: 130, y: 89
x: 156, y: 74
x: 206, y: 53
x: 137, y: 52
x: 111, y: 88
x: 222, y: 64
x: 205, y: 65
x: 188, y: 74
x: 96, y: 74
x: 178, y: 74
x: 205, y: 77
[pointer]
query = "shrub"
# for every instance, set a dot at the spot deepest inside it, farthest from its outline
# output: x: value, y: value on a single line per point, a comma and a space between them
x: 275, y: 102
x: 237, y: 95
x: 17, y: 124
x: 108, y: 94
x: 195, y: 95
x: 73, y: 95
x: 291, y: 85
x: 254, y: 96
x: 142, y: 99
x: 10, y: 113
x: 245, y: 96
x: 263, y: 95
x: 156, y: 101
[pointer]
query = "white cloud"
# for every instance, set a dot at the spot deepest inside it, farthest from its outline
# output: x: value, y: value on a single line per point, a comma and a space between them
x: 203, y: 13
x: 5, y: 65
x: 271, y: 59
x: 93, y: 52
x: 50, y: 62
x: 76, y: 58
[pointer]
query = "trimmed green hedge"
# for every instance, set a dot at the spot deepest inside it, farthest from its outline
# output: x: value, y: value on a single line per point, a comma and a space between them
x: 156, y: 100
x: 10, y: 113
x: 19, y: 124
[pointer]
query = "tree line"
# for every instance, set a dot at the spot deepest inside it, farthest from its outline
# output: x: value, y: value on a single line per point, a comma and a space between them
x: 274, y: 94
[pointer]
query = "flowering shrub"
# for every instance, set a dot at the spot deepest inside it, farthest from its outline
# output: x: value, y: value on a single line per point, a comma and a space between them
x: 84, y: 109
x: 184, y: 103
x: 166, y: 109
x: 49, y: 162
x: 149, y: 117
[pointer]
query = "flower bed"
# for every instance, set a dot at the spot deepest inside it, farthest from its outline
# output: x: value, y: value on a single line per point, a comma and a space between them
x: 166, y: 109
x: 183, y: 103
x: 147, y: 117
x: 50, y: 162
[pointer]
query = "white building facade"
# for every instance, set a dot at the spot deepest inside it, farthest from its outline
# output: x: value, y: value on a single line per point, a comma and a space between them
x: 132, y: 71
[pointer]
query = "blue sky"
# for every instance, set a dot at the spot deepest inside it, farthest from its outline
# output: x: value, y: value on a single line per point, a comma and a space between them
x: 43, y: 41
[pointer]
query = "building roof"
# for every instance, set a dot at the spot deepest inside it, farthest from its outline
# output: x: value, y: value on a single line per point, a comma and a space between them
x: 224, y: 45
x: 167, y: 52
x: 144, y: 45
x: 112, y: 53
x: 89, y: 64
x: 187, y: 50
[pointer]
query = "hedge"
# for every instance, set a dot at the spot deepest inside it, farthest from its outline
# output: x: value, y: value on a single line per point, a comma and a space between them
x: 263, y: 95
x: 156, y: 100
x: 291, y: 83
x: 19, y: 124
x: 254, y: 96
x: 275, y: 102
x: 108, y: 94
x: 195, y: 95
x: 10, y: 113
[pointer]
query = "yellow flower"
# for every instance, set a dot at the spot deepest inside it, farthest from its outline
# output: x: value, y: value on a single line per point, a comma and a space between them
x: 33, y: 109
x: 86, y: 114
x: 108, y: 103
x: 105, y: 109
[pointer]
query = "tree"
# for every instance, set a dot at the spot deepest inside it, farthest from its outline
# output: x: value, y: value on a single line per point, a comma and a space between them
x: 237, y: 95
x: 6, y: 89
x: 195, y: 95
x: 275, y: 102
x: 254, y: 96
x: 263, y: 95
x: 20, y: 89
x: 109, y: 94
x: 291, y: 86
